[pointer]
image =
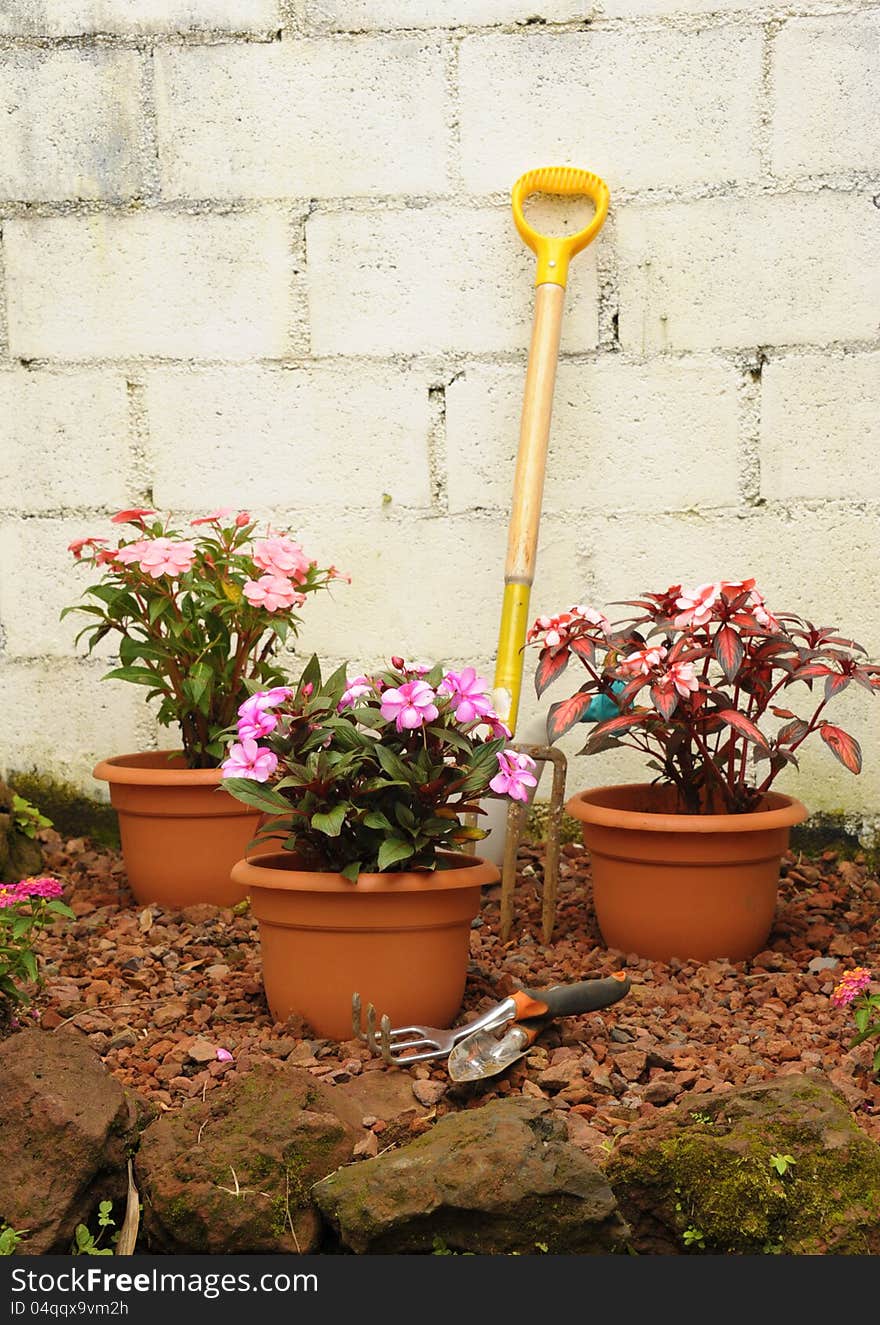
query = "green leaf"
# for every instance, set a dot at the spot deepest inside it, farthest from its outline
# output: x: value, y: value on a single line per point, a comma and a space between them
x: 330, y: 823
x: 141, y: 676
x: 256, y: 794
x: 392, y: 764
x: 392, y: 850
x: 29, y: 962
x: 352, y: 870
x: 376, y: 819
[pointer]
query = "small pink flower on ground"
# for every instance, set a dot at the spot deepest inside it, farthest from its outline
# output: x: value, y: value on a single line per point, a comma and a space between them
x: 280, y: 555
x: 272, y: 592
x: 642, y: 661
x: 356, y: 687
x: 854, y: 982
x: 135, y: 516
x: 76, y: 547
x: 164, y: 556
x: 696, y: 605
x: 215, y: 516
x: 410, y: 705
x: 516, y: 773
x: 248, y: 760
x: 224, y: 1056
x: 469, y: 697
x: 132, y: 552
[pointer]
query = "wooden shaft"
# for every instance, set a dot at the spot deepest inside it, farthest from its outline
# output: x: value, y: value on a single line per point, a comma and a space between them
x: 534, y: 435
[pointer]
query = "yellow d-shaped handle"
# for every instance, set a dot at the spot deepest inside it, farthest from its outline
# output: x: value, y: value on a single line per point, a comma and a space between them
x: 554, y: 252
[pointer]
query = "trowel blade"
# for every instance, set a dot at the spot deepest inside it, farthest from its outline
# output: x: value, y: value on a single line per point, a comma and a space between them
x: 485, y: 1055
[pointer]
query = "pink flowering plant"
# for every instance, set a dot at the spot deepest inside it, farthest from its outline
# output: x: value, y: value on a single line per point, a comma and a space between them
x: 695, y: 680
x: 26, y: 908
x: 199, y: 613
x: 853, y: 991
x: 374, y: 772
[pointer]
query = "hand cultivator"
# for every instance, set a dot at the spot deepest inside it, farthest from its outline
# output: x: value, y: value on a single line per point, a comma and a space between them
x: 491, y: 1042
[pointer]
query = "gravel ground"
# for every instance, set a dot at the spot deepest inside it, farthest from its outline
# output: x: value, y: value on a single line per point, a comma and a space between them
x: 158, y: 993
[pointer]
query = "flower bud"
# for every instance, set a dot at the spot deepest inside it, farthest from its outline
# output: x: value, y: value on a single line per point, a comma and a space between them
x: 243, y: 518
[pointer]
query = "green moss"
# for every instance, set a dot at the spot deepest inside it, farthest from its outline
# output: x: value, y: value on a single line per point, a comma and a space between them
x: 72, y: 812
x: 728, y: 1190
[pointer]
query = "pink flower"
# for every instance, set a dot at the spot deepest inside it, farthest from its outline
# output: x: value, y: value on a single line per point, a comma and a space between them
x: 696, y: 605
x: 44, y: 887
x: 356, y: 687
x: 243, y: 518
x: 76, y: 547
x: 733, y: 588
x: 335, y: 574
x: 683, y: 676
x: 556, y: 630
x: 273, y: 592
x: 164, y: 556
x: 515, y: 775
x: 224, y: 1056
x: 220, y: 514
x: 642, y: 661
x: 854, y: 982
x: 247, y: 760
x: 411, y: 705
x: 132, y: 552
x: 760, y: 612
x: 254, y: 720
x: 279, y: 555
x: 470, y: 702
x: 106, y: 556
x: 136, y: 516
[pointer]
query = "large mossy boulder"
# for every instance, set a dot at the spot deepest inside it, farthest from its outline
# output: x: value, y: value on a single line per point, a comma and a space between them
x: 706, y: 1176
x: 235, y: 1174
x: 500, y: 1179
x: 67, y: 1130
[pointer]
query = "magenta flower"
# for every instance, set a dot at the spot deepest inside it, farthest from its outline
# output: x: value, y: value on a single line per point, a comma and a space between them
x: 215, y: 516
x: 46, y: 888
x: 224, y: 1056
x: 272, y: 592
x: 280, y: 555
x: 469, y: 699
x: 354, y: 690
x: 410, y: 705
x: 515, y: 775
x: 254, y: 720
x: 163, y: 556
x: 854, y: 982
x: 246, y: 759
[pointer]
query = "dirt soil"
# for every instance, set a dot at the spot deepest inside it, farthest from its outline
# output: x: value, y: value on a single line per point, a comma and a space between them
x: 158, y: 993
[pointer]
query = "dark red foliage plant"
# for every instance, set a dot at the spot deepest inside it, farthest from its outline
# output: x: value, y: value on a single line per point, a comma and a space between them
x: 694, y: 680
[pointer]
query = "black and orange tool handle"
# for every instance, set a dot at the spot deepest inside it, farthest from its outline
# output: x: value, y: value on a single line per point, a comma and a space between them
x: 570, y: 1000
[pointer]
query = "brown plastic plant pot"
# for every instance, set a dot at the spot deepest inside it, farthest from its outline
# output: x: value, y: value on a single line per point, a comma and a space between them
x: 181, y: 834
x: 698, y: 886
x: 400, y: 940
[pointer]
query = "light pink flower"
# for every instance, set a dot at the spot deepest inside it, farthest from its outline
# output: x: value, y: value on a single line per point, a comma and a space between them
x: 854, y: 982
x: 470, y: 701
x: 735, y: 587
x: 760, y: 611
x: 254, y: 720
x: 132, y: 552
x: 224, y: 1056
x: 356, y: 687
x: 696, y: 605
x: 556, y: 630
x: 280, y: 555
x: 164, y: 556
x: 76, y: 547
x: 683, y: 677
x: 410, y: 705
x: 273, y: 592
x: 516, y: 773
x: 246, y: 759
x: 215, y: 516
x: 642, y: 661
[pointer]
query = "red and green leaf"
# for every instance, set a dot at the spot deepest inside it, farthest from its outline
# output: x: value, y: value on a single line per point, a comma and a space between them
x: 843, y: 746
x: 728, y: 651
x: 793, y: 731
x: 665, y: 700
x: 551, y: 664
x: 614, y: 728
x: 563, y: 716
x: 835, y: 683
x: 584, y: 648
x: 740, y: 723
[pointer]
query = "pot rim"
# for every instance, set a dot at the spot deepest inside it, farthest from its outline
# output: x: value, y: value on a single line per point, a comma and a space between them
x: 464, y: 871
x: 784, y: 812
x: 152, y: 768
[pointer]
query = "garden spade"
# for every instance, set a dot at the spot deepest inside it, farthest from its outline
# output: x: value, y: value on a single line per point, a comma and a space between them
x: 487, y: 1052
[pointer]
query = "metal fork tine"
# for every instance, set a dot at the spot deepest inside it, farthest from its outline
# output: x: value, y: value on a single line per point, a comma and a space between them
x: 371, y: 1028
x: 385, y: 1038
x: 356, y: 1023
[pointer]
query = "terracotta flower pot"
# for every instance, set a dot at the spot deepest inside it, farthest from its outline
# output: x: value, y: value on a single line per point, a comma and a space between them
x: 180, y: 834
x: 668, y: 885
x: 399, y: 940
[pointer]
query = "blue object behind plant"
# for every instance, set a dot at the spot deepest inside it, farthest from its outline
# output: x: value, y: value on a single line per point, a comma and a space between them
x: 603, y: 707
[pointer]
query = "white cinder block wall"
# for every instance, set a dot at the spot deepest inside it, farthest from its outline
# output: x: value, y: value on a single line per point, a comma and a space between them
x: 259, y: 252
